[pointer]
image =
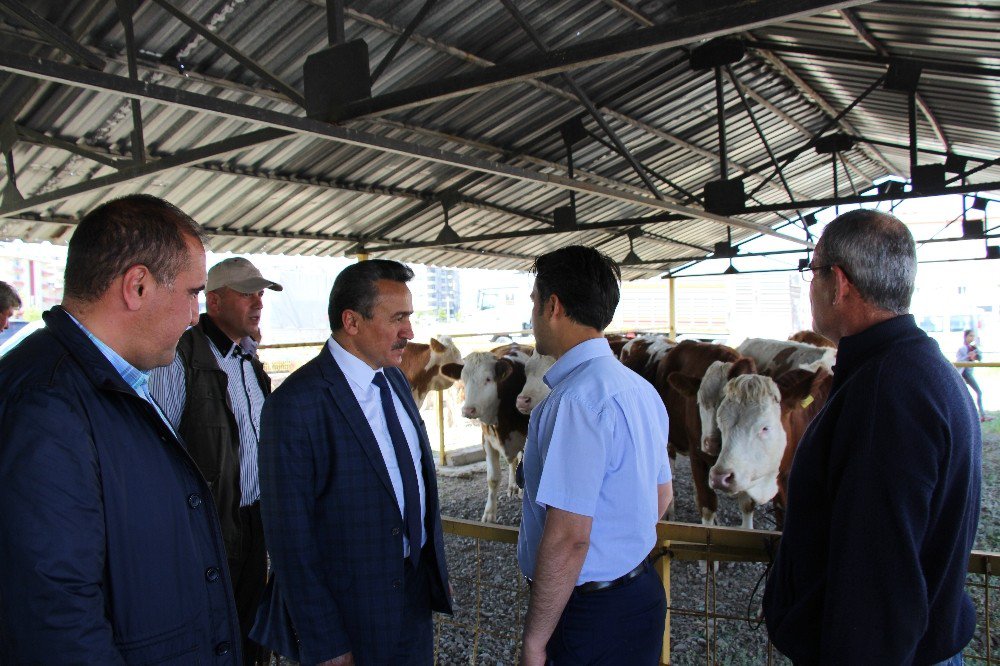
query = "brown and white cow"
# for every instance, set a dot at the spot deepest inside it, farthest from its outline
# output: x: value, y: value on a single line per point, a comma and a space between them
x: 761, y: 421
x: 422, y: 366
x: 812, y: 338
x: 643, y: 354
x: 492, y: 382
x: 677, y: 379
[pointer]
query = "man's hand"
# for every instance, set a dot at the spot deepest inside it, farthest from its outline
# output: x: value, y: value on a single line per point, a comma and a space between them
x: 343, y: 660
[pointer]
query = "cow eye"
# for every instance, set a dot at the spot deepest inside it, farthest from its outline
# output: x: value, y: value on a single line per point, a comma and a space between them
x: 765, y: 429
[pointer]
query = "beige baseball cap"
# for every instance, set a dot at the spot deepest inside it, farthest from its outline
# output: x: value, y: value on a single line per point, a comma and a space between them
x: 239, y: 275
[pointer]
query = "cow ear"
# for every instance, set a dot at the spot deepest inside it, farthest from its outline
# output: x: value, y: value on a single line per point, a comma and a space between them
x: 744, y: 366
x: 684, y: 384
x: 453, y: 370
x: 795, y: 386
x: 436, y: 346
x: 503, y: 370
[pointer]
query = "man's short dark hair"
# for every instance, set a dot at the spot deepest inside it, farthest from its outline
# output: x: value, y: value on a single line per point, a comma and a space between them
x: 119, y: 234
x: 877, y: 252
x: 356, y: 289
x: 585, y: 280
x: 9, y: 300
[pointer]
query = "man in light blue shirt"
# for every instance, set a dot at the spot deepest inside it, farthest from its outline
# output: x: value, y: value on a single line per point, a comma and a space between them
x: 596, y: 478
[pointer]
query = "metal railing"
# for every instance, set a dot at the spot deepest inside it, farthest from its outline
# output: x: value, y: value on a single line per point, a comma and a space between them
x: 677, y: 542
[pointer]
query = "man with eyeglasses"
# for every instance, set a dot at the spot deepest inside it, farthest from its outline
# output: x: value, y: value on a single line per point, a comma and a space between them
x: 213, y: 394
x: 883, y: 494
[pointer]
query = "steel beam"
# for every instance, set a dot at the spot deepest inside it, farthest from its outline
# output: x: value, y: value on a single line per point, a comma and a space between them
x: 233, y: 52
x: 866, y: 199
x: 52, y: 34
x: 402, y: 39
x: 740, y: 16
x: 281, y: 124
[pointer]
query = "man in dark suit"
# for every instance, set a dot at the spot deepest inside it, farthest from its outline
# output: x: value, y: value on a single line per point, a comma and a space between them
x: 348, y: 491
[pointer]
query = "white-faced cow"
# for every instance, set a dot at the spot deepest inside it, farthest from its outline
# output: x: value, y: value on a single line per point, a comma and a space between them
x: 492, y: 382
x: 422, y: 366
x: 535, y: 389
x: 677, y: 380
x: 761, y: 422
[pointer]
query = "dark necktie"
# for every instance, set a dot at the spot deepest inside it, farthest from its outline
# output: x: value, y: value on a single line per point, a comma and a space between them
x: 407, y: 470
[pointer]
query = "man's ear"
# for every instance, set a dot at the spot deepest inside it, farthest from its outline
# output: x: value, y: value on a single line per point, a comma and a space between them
x: 554, y: 306
x: 135, y: 286
x: 350, y: 320
x: 211, y: 301
x: 843, y: 288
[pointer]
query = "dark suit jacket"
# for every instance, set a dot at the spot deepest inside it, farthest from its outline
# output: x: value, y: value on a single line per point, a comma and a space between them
x: 332, y: 523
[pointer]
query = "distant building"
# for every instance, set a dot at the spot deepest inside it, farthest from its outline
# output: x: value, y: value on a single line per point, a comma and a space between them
x: 443, y: 292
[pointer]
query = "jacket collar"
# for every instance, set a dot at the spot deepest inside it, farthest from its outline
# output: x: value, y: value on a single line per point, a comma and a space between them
x: 98, y: 368
x: 215, y: 335
x: 854, y: 350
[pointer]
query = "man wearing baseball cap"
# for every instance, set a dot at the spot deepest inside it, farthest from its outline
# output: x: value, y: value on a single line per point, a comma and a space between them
x: 212, y: 394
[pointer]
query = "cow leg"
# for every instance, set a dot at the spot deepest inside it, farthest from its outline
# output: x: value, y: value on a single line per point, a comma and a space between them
x: 705, y: 498
x: 492, y: 479
x: 747, y: 505
x: 512, y: 489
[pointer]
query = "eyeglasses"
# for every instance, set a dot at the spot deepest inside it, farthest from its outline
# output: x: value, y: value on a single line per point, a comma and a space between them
x: 807, y: 272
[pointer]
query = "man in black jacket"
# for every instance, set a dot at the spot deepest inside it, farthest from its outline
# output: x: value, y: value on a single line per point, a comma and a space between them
x: 212, y: 394
x: 883, y: 495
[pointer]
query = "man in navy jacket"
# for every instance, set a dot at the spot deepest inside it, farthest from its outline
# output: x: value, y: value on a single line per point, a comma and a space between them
x: 348, y: 492
x: 110, y: 546
x: 883, y: 495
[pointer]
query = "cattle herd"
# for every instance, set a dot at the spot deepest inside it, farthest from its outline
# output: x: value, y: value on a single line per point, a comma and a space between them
x: 738, y: 414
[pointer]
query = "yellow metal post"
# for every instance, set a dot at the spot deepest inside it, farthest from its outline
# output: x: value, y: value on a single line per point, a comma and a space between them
x: 362, y: 256
x: 663, y: 568
x: 673, y: 309
x: 441, y: 425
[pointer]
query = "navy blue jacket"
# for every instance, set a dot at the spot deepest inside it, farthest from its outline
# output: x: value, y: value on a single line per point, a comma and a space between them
x: 332, y: 524
x: 110, y: 549
x: 883, y: 503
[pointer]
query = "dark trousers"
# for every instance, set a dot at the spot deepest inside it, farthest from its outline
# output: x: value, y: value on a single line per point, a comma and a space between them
x: 622, y: 625
x: 248, y: 570
x: 416, y: 636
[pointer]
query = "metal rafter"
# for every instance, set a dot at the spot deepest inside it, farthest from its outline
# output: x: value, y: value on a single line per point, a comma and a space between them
x: 233, y: 52
x: 283, y: 123
x: 52, y: 34
x: 744, y: 15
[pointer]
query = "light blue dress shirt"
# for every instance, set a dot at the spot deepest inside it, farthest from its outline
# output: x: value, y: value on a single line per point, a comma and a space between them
x: 359, y: 377
x: 597, y: 446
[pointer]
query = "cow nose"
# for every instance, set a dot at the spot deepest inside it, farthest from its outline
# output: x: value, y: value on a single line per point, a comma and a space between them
x: 711, y: 445
x: 469, y: 412
x: 524, y: 403
x: 721, y: 479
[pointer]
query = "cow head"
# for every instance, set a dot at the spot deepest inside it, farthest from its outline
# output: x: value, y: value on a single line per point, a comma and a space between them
x: 443, y: 352
x: 753, y: 439
x: 535, y: 390
x: 711, y: 391
x: 481, y: 373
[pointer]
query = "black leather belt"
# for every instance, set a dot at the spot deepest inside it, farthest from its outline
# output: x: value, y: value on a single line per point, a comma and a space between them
x: 598, y: 585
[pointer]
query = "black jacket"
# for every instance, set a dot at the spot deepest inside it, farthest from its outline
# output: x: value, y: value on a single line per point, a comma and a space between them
x: 207, y: 424
x: 883, y: 503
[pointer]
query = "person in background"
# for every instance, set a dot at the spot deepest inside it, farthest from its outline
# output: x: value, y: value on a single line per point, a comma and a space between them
x: 969, y: 353
x: 596, y: 480
x: 109, y: 537
x: 349, y: 492
x: 9, y: 303
x: 212, y: 394
x: 884, y: 490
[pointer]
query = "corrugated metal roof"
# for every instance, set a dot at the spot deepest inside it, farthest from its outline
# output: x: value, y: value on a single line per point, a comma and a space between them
x: 306, y: 194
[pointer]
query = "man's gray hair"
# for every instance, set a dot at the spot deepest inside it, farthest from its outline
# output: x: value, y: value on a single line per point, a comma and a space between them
x: 8, y: 297
x: 878, y: 254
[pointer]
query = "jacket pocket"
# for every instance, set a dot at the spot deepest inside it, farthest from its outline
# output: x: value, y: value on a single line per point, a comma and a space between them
x: 174, y: 647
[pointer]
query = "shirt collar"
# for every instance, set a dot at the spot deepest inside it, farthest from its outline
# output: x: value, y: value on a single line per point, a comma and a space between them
x: 357, y: 371
x: 132, y: 375
x: 575, y: 357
